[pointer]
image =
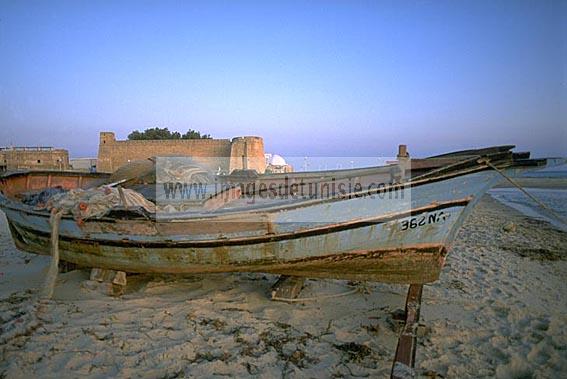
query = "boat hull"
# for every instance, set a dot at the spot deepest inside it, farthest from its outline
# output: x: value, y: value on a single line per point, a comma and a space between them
x: 414, y: 264
x: 382, y: 241
x: 398, y: 238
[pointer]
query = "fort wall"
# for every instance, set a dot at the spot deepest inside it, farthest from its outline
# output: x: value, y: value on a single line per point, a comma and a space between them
x: 38, y: 158
x: 216, y: 154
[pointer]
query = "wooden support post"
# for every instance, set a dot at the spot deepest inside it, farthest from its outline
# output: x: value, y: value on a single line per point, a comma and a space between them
x: 404, y: 361
x: 109, y: 282
x: 65, y: 266
x: 287, y: 287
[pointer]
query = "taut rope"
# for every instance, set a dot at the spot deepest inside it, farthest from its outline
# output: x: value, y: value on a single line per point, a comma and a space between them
x: 517, y: 185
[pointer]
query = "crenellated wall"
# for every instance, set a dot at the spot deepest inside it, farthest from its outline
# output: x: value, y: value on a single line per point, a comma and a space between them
x: 215, y: 154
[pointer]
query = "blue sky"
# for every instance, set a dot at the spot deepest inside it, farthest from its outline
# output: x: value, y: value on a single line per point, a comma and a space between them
x: 313, y: 78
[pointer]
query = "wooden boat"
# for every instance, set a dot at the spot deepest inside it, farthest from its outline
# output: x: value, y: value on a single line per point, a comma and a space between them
x: 397, y: 232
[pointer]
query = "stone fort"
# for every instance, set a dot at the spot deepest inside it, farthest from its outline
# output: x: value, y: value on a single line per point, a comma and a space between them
x: 218, y: 155
x: 36, y: 157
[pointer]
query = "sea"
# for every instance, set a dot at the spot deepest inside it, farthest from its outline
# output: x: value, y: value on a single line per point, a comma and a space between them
x: 555, y: 198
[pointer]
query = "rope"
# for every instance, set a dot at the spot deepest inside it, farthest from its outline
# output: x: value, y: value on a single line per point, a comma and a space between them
x: 517, y: 185
x: 317, y: 298
x: 51, y: 278
x: 24, y: 318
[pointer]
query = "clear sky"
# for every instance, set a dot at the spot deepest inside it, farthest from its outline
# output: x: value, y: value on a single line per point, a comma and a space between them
x: 311, y: 77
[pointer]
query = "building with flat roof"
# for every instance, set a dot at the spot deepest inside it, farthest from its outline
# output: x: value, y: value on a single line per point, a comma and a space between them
x: 33, y: 157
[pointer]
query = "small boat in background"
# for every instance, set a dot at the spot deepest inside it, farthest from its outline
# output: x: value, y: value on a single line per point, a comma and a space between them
x: 395, y: 224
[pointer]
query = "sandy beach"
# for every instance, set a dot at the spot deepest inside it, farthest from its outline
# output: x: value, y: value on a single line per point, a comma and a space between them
x: 155, y: 150
x: 498, y: 310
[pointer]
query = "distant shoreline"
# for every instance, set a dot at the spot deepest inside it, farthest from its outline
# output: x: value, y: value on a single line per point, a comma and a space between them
x: 548, y: 183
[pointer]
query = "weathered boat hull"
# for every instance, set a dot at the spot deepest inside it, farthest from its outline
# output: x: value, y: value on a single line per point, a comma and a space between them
x: 362, y: 238
x: 420, y: 264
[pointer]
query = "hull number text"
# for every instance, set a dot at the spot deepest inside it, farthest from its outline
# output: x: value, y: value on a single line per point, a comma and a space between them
x: 431, y: 218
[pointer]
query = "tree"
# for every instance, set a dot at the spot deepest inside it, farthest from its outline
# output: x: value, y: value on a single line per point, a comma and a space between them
x: 193, y: 134
x: 164, y: 133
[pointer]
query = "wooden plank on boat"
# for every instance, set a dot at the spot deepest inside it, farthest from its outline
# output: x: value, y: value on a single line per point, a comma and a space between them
x: 404, y: 361
x: 287, y: 287
x: 483, y: 151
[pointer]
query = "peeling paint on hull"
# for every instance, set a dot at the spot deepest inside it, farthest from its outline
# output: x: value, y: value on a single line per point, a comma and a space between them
x: 379, y: 252
x: 414, y: 264
x: 358, y: 239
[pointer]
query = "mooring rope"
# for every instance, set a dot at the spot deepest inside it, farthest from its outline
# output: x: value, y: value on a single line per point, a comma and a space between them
x: 51, y: 278
x: 517, y: 185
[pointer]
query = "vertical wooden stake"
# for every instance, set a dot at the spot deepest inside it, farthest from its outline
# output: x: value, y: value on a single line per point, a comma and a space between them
x: 404, y: 361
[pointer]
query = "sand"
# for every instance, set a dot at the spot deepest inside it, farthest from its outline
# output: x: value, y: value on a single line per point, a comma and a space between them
x: 498, y: 310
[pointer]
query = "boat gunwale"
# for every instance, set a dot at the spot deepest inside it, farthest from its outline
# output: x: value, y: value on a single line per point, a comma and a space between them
x: 18, y: 206
x: 264, y: 211
x: 267, y: 238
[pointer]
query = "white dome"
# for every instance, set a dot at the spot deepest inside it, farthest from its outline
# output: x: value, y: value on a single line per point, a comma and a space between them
x: 277, y: 160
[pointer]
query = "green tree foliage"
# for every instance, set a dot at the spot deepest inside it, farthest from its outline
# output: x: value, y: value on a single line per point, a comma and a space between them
x: 193, y: 134
x: 164, y: 133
